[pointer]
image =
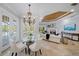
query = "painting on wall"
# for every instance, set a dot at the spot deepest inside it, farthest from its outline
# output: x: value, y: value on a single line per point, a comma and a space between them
x: 5, y: 18
x: 51, y: 25
x: 70, y: 27
x: 41, y: 29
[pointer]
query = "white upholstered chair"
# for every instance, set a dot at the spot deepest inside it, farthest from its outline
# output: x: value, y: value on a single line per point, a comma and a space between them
x: 36, y: 47
x: 16, y: 48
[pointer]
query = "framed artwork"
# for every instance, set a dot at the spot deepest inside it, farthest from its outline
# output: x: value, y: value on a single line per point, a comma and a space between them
x: 70, y: 27
x: 51, y: 25
x: 5, y: 18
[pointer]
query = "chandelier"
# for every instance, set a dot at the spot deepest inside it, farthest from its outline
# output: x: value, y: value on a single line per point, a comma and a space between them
x: 29, y: 18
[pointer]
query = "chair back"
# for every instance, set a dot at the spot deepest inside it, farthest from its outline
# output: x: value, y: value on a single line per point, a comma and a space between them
x: 13, y: 45
x: 38, y: 44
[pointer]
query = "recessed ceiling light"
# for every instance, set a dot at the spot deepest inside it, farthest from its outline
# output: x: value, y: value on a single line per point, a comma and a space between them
x: 72, y: 10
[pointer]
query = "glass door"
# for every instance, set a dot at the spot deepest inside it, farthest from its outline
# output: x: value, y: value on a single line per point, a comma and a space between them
x: 12, y: 29
x: 4, y: 31
x: 8, y: 31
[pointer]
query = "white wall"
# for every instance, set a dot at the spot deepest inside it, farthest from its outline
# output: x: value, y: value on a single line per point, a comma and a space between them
x: 68, y: 20
x: 11, y: 16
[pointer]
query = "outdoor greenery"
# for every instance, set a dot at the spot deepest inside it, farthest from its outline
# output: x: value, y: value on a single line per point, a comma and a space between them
x: 41, y: 29
x: 6, y: 28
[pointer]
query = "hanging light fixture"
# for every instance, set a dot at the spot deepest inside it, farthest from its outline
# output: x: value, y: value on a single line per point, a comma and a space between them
x: 29, y: 18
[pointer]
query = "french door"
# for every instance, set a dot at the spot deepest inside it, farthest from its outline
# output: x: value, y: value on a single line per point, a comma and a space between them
x: 7, y: 31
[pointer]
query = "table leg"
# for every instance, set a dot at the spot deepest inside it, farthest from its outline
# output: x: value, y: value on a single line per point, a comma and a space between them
x: 78, y: 37
x: 28, y: 50
x: 71, y: 37
x: 62, y: 39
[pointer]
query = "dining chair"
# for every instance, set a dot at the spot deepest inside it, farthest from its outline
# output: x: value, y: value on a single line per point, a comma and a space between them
x: 36, y: 47
x: 17, y: 47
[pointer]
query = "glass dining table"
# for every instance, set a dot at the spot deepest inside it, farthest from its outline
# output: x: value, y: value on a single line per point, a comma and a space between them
x: 28, y: 43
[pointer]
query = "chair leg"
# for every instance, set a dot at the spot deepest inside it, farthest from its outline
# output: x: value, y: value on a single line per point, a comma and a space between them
x: 36, y: 53
x: 26, y: 50
x: 16, y: 54
x: 29, y: 51
x: 12, y: 54
x: 40, y: 52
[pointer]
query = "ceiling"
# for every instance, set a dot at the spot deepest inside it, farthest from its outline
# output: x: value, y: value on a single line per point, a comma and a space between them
x: 55, y: 16
x: 38, y: 9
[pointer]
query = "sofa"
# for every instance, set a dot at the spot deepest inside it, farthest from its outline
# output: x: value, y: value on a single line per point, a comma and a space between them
x: 55, y: 38
x: 52, y: 38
